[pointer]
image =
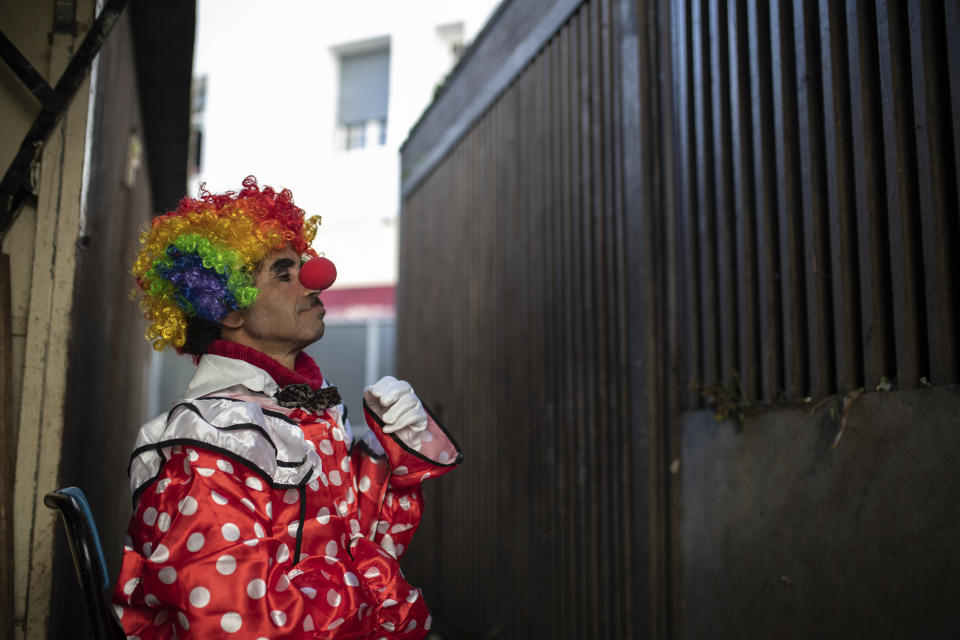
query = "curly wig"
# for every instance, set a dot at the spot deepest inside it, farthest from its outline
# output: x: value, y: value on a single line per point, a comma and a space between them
x: 197, y: 263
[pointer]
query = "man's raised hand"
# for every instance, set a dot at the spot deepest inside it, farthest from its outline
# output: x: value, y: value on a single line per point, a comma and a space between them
x: 398, y: 406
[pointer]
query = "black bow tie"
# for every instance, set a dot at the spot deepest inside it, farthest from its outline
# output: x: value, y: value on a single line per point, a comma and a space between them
x: 303, y: 396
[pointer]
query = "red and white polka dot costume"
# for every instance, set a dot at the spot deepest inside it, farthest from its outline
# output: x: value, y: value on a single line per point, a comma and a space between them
x: 257, y: 521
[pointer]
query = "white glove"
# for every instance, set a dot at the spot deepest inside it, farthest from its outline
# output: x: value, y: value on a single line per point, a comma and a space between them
x: 399, y: 408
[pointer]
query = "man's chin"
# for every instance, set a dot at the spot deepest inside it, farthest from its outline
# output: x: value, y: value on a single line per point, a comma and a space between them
x: 318, y: 334
x: 303, y: 342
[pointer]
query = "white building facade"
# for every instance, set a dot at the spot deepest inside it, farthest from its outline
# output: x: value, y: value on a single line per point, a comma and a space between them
x: 295, y: 95
x: 317, y: 96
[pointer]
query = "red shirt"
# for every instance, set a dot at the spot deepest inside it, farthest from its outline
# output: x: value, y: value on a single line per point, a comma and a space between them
x: 257, y: 521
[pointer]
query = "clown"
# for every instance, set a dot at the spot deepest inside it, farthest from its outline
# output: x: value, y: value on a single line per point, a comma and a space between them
x: 256, y: 515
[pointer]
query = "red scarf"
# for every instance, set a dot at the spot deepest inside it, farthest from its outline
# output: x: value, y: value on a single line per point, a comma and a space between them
x: 305, y: 370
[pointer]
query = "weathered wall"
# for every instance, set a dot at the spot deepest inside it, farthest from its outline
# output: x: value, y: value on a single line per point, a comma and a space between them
x: 42, y: 246
x: 108, y: 355
x: 27, y: 26
x: 77, y: 357
x: 22, y: 25
x: 784, y: 537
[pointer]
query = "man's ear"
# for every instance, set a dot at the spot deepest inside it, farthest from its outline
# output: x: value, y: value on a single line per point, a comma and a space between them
x: 233, y: 320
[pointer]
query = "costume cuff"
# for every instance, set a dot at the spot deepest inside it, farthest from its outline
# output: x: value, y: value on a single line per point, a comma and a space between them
x: 438, y: 454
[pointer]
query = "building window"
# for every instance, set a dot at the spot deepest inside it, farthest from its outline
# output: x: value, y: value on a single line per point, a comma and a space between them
x: 364, y: 95
x: 356, y: 135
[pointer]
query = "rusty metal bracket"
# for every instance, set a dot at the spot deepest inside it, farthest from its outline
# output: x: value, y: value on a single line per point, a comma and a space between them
x: 54, y: 102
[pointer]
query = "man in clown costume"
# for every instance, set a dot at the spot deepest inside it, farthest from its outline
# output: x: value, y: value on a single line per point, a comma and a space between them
x: 256, y: 514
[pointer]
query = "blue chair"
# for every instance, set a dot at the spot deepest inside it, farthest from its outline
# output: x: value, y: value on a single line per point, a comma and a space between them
x: 87, y: 559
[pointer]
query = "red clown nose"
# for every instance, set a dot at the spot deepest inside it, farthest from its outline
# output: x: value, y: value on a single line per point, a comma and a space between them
x: 317, y: 273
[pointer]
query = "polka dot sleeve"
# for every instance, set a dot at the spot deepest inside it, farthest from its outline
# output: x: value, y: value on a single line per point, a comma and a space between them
x: 399, y: 519
x: 438, y: 453
x: 389, y: 514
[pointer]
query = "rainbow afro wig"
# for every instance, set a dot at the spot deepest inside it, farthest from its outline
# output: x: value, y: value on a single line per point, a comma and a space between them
x: 199, y: 261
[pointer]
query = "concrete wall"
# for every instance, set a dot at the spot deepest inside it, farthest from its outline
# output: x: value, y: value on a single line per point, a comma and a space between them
x: 783, y: 537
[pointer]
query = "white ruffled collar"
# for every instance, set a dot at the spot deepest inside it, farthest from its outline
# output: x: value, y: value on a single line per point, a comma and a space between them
x: 216, y: 373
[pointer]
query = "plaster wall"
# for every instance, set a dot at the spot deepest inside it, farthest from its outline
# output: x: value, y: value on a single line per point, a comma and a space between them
x: 782, y: 536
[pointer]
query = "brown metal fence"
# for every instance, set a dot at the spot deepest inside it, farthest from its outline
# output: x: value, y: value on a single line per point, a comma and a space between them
x: 743, y: 200
x: 508, y: 316
x: 816, y: 169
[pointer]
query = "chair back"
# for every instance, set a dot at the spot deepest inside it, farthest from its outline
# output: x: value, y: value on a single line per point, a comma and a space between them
x: 88, y: 560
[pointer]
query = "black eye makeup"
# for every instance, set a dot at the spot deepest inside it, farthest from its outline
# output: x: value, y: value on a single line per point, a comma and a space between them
x: 281, y: 269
